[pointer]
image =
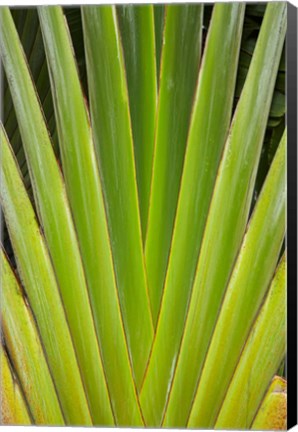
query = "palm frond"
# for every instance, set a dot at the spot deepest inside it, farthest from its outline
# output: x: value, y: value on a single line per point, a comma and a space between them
x: 143, y: 191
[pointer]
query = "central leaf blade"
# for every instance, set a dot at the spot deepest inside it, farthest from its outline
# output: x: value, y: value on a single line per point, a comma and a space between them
x: 138, y: 38
x: 181, y: 52
x: 113, y: 142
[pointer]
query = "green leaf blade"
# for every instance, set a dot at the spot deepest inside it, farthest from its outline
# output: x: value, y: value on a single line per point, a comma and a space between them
x: 159, y: 18
x: 33, y: 48
x: 208, y: 131
x: 113, y: 142
x: 151, y: 294
x: 54, y: 212
x: 37, y: 275
x: 250, y: 279
x: 260, y: 359
x: 25, y: 349
x: 231, y: 199
x: 84, y: 192
x: 219, y: 62
x: 178, y: 76
x: 138, y: 39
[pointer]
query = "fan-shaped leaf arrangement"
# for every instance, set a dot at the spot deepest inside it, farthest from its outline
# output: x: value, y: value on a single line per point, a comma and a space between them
x: 143, y: 193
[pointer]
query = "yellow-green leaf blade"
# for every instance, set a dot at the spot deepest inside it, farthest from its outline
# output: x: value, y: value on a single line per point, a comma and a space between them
x: 84, y: 192
x: 37, y: 275
x: 13, y: 406
x: 204, y: 148
x: 113, y: 141
x: 272, y: 414
x: 138, y: 39
x: 250, y: 279
x: 56, y: 219
x: 178, y: 76
x: 23, y: 343
x: 260, y: 359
